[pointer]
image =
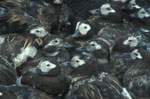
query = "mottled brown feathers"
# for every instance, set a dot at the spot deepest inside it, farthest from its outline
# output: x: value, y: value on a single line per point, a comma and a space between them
x: 21, y: 17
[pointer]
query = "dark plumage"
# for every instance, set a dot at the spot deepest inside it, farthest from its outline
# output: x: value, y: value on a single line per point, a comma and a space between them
x: 8, y: 75
x: 120, y: 55
x: 141, y: 18
x: 47, y: 16
x: 103, y: 86
x: 136, y: 78
x: 84, y: 30
x: 125, y: 44
x: 99, y: 47
x: 143, y: 3
x: 52, y: 80
x: 110, y: 12
x: 77, y: 5
x: 81, y: 64
x: 23, y: 92
x: 95, y: 25
x: 54, y: 47
x: 19, y: 22
x: 18, y: 48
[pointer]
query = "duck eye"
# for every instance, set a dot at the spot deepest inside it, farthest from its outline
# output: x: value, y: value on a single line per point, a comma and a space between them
x: 56, y: 41
x: 130, y: 40
x: 48, y: 65
x: 77, y: 61
x: 143, y: 12
x: 37, y: 31
x: 85, y: 27
x: 108, y: 9
x: 133, y: 4
x: 136, y: 54
x: 92, y: 45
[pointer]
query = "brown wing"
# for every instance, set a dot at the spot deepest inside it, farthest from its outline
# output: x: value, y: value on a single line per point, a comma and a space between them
x: 11, y: 3
x: 44, y: 19
x: 49, y: 17
x: 17, y: 15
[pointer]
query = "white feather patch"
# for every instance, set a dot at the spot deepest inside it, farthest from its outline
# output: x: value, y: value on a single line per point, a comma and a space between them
x: 131, y: 41
x: 30, y: 51
x: 2, y: 39
x: 76, y: 61
x: 39, y: 32
x: 84, y: 28
x: 142, y: 13
x: 135, y: 54
x: 46, y: 66
x: 1, y: 94
x: 126, y: 94
x: 104, y: 10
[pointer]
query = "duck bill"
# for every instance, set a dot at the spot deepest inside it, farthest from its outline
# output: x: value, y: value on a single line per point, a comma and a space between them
x: 112, y: 11
x: 137, y: 7
x: 76, y: 34
x: 35, y: 70
x: 81, y: 49
x: 67, y: 64
x: 147, y: 15
x: 95, y: 12
x: 67, y: 22
x: 127, y: 55
x: 67, y: 45
x: 134, y: 15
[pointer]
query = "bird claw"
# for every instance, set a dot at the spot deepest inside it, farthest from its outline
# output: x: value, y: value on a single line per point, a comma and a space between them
x: 10, y: 40
x: 27, y: 43
x: 39, y: 41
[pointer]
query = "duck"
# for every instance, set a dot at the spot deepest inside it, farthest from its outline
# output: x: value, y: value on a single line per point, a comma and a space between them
x: 132, y: 6
x: 141, y: 18
x: 136, y: 77
x: 44, y: 16
x: 16, y: 21
x: 100, y: 49
x: 85, y: 30
x: 110, y: 12
x: 101, y: 86
x: 77, y: 5
x: 24, y: 92
x: 141, y: 3
x: 130, y: 42
x: 53, y: 81
x: 126, y: 44
x: 18, y: 48
x: 55, y: 46
x: 97, y: 26
x: 80, y: 65
x: 120, y: 54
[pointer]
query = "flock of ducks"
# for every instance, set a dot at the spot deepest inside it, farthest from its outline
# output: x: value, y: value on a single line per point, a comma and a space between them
x: 74, y: 49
